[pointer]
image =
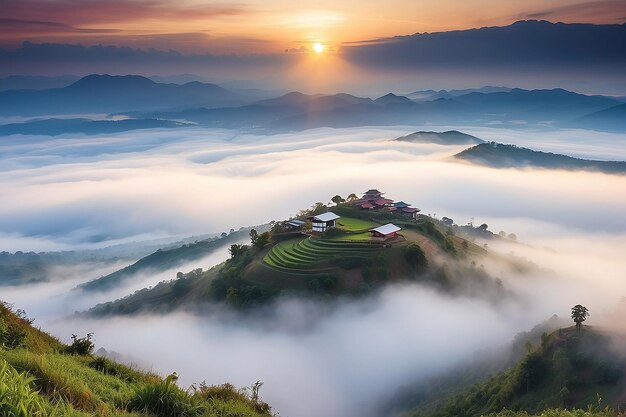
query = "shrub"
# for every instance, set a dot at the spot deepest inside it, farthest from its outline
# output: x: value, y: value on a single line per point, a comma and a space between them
x: 416, y: 257
x: 164, y: 399
x: 81, y: 345
x: 12, y: 336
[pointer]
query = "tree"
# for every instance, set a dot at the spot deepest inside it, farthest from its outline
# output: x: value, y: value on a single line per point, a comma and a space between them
x: 579, y: 314
x: 447, y: 221
x: 483, y: 226
x: 224, y: 234
x: 352, y: 197
x: 254, y: 235
x: 337, y: 200
x: 262, y: 240
x: 236, y: 250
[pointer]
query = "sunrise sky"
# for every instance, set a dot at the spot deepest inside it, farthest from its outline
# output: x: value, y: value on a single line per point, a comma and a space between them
x: 270, y: 26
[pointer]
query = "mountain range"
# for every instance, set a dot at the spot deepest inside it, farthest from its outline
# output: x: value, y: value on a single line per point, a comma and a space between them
x: 212, y: 106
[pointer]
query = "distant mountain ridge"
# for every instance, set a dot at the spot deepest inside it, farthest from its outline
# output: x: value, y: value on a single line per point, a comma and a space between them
x: 497, y: 155
x: 108, y: 94
x: 297, y: 111
x: 54, y: 127
x: 450, y: 137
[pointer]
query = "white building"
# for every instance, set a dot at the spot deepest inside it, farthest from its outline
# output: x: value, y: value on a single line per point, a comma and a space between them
x: 322, y: 222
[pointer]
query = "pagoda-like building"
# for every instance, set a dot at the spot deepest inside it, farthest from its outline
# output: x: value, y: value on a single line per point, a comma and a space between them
x: 375, y: 200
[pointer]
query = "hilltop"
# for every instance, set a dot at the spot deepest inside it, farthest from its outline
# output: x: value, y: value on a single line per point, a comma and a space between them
x: 450, y: 137
x: 351, y: 250
x: 568, y: 368
x: 42, y: 377
x: 497, y: 155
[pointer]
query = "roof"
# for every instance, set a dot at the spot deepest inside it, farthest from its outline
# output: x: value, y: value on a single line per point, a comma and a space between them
x: 382, y: 201
x: 373, y: 191
x: 296, y: 223
x: 386, y: 229
x: 367, y: 206
x: 325, y: 217
x: 410, y: 210
x: 401, y: 204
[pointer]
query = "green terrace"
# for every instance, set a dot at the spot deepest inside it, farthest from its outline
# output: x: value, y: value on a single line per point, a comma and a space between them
x: 313, y: 255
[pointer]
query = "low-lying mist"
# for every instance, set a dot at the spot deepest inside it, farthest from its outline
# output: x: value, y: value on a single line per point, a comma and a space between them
x: 330, y: 358
x: 69, y: 192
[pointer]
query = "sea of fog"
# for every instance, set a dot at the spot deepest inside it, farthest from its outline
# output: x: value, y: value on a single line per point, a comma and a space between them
x: 333, y: 359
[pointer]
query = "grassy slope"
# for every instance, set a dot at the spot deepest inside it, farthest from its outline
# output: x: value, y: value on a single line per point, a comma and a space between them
x: 569, y: 369
x: 161, y: 260
x: 39, y: 379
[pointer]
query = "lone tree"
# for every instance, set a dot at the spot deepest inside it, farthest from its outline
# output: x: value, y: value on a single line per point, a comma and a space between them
x: 579, y: 314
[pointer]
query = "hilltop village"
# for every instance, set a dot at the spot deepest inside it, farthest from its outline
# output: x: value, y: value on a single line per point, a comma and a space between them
x: 372, y: 200
x: 348, y: 247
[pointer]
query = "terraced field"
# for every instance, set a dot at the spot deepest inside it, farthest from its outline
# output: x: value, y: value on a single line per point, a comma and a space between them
x: 312, y: 255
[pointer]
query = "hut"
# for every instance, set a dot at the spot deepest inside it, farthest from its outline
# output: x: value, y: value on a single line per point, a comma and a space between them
x: 322, y: 222
x: 385, y: 232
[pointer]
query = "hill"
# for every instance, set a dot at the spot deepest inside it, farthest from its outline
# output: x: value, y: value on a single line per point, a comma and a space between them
x: 163, y: 259
x: 297, y: 111
x: 109, y: 94
x: 54, y: 127
x: 612, y: 119
x: 341, y: 261
x: 569, y: 369
x: 43, y: 377
x: 497, y: 155
x: 450, y: 137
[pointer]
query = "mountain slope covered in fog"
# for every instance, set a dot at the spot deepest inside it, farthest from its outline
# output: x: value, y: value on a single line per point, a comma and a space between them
x: 163, y: 259
x: 450, y: 137
x: 498, y: 155
x: 568, y: 368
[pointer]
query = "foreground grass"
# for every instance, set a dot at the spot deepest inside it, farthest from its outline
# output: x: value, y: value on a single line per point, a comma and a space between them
x: 38, y: 378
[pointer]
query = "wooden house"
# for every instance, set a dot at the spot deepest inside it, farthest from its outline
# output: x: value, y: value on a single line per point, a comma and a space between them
x: 385, y: 232
x: 322, y: 222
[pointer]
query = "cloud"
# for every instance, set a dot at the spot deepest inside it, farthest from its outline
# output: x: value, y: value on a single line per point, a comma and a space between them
x: 353, y: 354
x: 602, y: 11
x: 111, y: 188
x: 87, y: 12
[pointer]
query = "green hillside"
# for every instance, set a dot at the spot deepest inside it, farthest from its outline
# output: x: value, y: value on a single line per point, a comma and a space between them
x: 163, y: 259
x: 569, y: 369
x: 42, y: 377
x: 341, y: 261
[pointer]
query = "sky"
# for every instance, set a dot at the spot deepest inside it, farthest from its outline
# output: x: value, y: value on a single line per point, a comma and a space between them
x: 270, y: 26
x: 324, y: 46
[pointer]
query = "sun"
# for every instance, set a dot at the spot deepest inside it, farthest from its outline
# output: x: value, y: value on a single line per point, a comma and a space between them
x: 318, y: 48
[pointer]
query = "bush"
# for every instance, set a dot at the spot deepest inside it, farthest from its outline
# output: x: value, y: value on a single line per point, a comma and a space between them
x: 416, y: 257
x: 12, y: 337
x: 81, y: 345
x: 164, y: 399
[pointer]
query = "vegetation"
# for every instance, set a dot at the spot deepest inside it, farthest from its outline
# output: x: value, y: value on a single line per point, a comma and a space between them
x: 569, y: 369
x: 42, y: 377
x: 579, y: 315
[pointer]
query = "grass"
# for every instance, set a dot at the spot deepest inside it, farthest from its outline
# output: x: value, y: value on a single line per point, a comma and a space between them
x: 352, y: 224
x: 39, y: 379
x: 312, y: 255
